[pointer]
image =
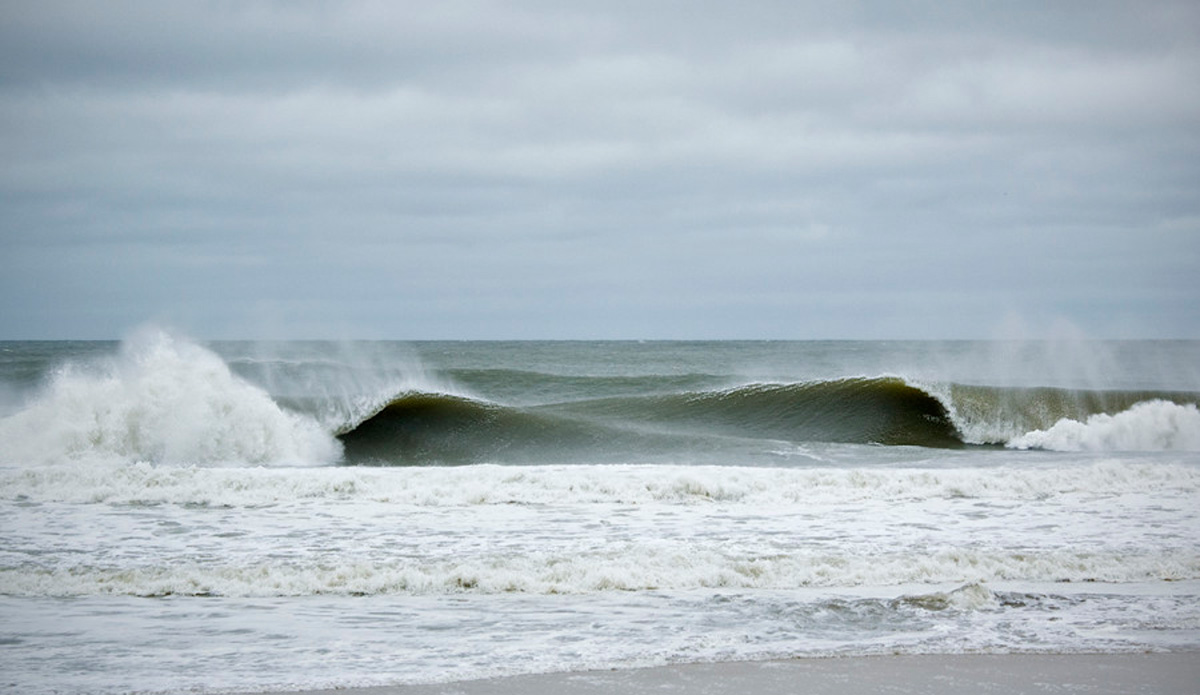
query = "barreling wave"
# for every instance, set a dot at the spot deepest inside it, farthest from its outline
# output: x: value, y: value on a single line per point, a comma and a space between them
x: 440, y: 428
x: 434, y: 428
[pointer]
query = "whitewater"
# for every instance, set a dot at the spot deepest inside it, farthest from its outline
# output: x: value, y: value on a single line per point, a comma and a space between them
x: 179, y: 516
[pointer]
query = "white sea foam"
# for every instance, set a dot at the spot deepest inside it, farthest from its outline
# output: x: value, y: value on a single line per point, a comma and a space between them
x: 162, y: 399
x: 143, y: 483
x: 650, y: 565
x: 969, y: 597
x: 1149, y: 426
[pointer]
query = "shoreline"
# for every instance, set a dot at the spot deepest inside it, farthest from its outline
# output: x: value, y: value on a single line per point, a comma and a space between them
x: 1160, y: 673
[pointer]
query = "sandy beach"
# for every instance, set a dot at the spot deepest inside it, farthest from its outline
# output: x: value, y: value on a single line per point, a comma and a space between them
x: 1096, y: 674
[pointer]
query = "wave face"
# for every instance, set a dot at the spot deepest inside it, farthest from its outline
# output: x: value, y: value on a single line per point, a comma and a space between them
x: 433, y: 428
x: 429, y: 427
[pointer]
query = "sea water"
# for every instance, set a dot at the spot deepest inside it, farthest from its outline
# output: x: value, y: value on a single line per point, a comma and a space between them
x: 178, y: 516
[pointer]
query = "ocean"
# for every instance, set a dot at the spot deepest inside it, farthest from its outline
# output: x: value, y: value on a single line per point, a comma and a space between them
x: 185, y: 516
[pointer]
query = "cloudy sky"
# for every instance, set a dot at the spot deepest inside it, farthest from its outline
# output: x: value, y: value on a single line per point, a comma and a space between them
x: 599, y: 169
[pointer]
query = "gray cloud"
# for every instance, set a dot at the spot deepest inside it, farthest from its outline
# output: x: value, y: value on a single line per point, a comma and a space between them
x: 471, y: 169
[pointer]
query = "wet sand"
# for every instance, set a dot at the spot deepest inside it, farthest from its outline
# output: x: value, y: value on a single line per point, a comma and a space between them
x: 1096, y: 674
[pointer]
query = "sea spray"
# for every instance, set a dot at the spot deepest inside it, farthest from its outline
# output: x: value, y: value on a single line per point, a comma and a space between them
x: 161, y: 399
x: 337, y: 383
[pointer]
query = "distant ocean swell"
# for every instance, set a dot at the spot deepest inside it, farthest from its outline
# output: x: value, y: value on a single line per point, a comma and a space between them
x: 167, y: 400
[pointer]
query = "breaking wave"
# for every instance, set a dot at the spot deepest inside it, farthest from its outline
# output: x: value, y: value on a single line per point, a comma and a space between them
x: 438, y: 428
x: 165, y: 400
x: 441, y: 428
x: 1149, y: 426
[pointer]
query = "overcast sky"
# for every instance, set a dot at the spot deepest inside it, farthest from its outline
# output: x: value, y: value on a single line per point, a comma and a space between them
x: 600, y: 169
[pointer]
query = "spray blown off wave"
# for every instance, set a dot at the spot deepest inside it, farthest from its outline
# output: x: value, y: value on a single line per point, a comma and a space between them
x: 164, y: 400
